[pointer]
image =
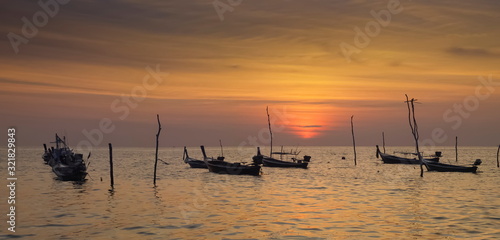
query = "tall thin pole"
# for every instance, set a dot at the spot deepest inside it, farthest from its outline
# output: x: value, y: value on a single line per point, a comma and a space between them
x: 498, y: 151
x: 221, y: 150
x: 270, y: 132
x: 156, y: 154
x: 456, y: 148
x: 111, y: 165
x: 353, y: 140
x: 414, y: 130
x: 383, y: 141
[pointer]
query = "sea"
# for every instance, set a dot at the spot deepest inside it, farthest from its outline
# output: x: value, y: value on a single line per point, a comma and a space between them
x: 332, y: 199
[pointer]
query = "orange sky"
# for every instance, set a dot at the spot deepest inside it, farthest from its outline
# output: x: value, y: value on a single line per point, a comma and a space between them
x: 217, y: 77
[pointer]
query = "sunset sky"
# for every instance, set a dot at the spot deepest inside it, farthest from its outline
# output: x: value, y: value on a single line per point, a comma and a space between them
x: 212, y: 79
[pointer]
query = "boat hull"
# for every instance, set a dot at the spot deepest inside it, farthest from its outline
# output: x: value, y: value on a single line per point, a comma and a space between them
x: 197, y: 164
x: 232, y: 168
x: 390, y: 159
x: 271, y: 162
x: 441, y: 167
x: 70, y: 173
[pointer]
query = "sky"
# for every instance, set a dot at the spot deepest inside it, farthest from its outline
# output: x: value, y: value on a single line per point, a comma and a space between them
x: 101, y: 71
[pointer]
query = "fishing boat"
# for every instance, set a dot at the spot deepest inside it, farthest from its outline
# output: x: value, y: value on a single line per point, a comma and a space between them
x: 233, y: 168
x: 273, y: 162
x: 222, y: 167
x: 194, y: 163
x: 70, y: 172
x: 66, y: 164
x: 442, y: 167
x: 269, y: 161
x: 392, y: 159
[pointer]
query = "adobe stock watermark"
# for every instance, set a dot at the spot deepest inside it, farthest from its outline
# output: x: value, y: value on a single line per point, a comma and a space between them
x: 372, y: 29
x: 122, y: 106
x: 221, y: 7
x: 456, y: 114
x: 40, y: 19
x: 11, y: 179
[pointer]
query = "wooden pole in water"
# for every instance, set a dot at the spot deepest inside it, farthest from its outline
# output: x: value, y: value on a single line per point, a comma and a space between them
x: 498, y: 151
x: 414, y: 130
x: 353, y: 141
x: 383, y: 141
x: 270, y: 132
x: 456, y: 148
x: 221, y: 150
x: 111, y: 165
x: 156, y: 153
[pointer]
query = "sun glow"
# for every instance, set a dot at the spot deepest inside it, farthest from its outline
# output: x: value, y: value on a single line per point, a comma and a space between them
x: 308, y: 121
x: 307, y: 129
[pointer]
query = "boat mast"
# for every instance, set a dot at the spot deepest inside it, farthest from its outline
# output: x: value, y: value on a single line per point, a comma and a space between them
x: 221, y: 150
x: 270, y: 132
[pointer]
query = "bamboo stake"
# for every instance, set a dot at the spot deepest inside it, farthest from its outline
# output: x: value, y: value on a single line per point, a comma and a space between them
x: 111, y: 165
x: 353, y: 141
x: 456, y: 148
x: 184, y: 154
x: 383, y: 141
x: 221, y: 150
x: 270, y: 132
x: 156, y: 154
x: 414, y: 130
x: 498, y: 151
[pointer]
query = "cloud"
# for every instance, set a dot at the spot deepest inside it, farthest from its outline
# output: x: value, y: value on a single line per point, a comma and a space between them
x: 29, y: 83
x: 309, y: 126
x: 471, y: 52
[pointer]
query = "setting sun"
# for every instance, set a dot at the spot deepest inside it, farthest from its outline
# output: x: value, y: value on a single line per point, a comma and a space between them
x: 307, y: 128
x: 306, y: 120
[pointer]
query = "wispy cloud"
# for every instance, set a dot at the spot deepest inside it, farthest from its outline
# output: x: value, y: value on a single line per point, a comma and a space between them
x: 309, y: 126
x: 472, y: 52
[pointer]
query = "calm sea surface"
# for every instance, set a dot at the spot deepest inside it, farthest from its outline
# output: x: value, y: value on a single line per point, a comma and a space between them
x: 333, y: 199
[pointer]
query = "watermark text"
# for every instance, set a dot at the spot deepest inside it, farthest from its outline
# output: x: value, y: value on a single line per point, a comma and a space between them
x: 11, y: 179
